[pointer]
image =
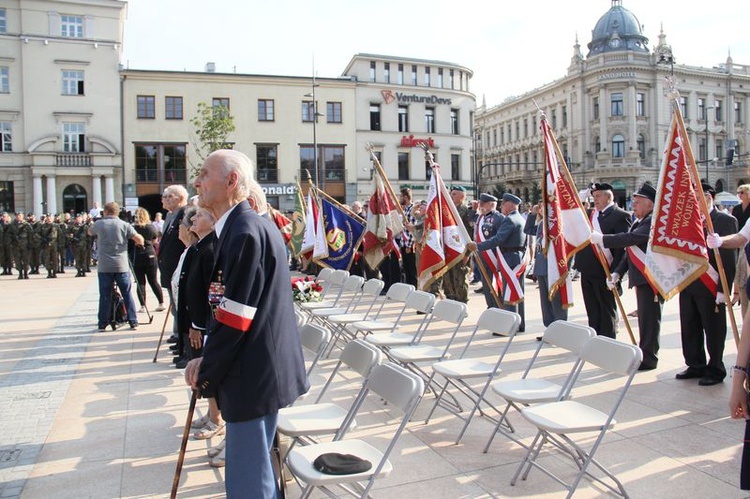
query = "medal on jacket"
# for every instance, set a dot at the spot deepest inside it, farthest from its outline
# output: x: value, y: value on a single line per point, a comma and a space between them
x: 215, y: 293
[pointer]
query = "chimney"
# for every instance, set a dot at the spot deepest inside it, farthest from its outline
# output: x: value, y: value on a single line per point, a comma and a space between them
x: 210, y: 67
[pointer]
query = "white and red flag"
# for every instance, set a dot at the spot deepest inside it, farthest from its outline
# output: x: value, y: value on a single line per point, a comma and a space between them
x: 445, y: 236
x: 284, y: 224
x: 314, y: 243
x: 676, y: 254
x: 502, y: 272
x: 566, y: 229
x: 383, y: 224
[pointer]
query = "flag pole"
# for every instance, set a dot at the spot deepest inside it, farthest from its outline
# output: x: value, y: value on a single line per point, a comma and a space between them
x: 388, y: 186
x: 597, y: 252
x: 709, y: 223
x: 462, y: 229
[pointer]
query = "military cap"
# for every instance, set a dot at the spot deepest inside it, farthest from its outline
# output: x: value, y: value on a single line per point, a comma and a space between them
x: 487, y: 198
x: 510, y: 197
x: 646, y: 191
x: 19, y: 213
x: 423, y: 202
x: 708, y: 189
x: 600, y: 186
x: 456, y: 187
x: 30, y: 214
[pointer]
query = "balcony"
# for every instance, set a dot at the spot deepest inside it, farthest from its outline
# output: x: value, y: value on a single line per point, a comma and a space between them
x: 73, y: 159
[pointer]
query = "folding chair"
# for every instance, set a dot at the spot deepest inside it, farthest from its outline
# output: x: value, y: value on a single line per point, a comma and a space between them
x: 304, y: 423
x: 397, y: 293
x: 400, y: 389
x: 359, y: 312
x: 324, y: 274
x: 525, y: 391
x: 350, y: 296
x: 557, y: 420
x: 332, y: 287
x: 314, y: 338
x: 411, y: 356
x: 460, y: 372
x: 417, y: 301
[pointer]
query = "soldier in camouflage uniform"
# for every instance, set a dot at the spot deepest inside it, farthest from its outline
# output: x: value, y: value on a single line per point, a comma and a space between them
x: 35, y: 242
x: 6, y: 254
x: 455, y: 281
x: 62, y: 241
x: 80, y: 242
x: 48, y: 231
x: 20, y: 233
x: 88, y: 221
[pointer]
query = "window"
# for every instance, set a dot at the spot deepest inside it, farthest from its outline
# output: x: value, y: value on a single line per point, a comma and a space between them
x: 553, y: 121
x: 455, y: 166
x: 454, y: 121
x: 429, y: 119
x: 533, y: 125
x: 702, y: 112
x: 71, y: 26
x: 146, y: 163
x: 703, y: 149
x: 6, y: 137
x: 375, y: 117
x: 502, y: 136
x: 372, y: 70
x: 173, y: 108
x: 684, y: 105
x: 72, y: 82
x: 451, y: 81
x: 266, y: 158
x: 427, y: 76
x: 308, y: 111
x: 387, y: 72
x: 333, y: 112
x: 333, y: 163
x: 641, y: 146
x: 494, y: 137
x: 428, y: 169
x: 265, y: 110
x: 518, y: 126
x: 597, y: 145
x: 4, y: 80
x: 596, y: 108
x: 221, y: 106
x: 403, y: 166
x: 7, y: 203
x: 440, y: 78
x: 719, y: 149
x: 718, y: 110
x: 74, y: 137
x: 618, y: 146
x: 3, y: 21
x: 525, y: 128
x: 400, y: 76
x: 153, y: 161
x: 307, y: 163
x: 640, y: 105
x: 565, y: 116
x: 175, y: 163
x: 737, y: 112
x: 146, y: 107
x: 403, y: 118
x: 414, y: 75
x: 616, y: 105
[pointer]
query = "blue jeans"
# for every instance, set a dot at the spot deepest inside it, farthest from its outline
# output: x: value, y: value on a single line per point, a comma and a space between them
x: 249, y: 472
x: 105, y: 296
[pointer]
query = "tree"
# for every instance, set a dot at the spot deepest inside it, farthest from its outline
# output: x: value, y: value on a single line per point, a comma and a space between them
x: 499, y: 190
x: 213, y: 124
x: 536, y: 192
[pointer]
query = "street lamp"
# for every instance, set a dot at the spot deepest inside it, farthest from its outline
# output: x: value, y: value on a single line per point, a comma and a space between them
x: 315, y: 115
x: 706, y: 158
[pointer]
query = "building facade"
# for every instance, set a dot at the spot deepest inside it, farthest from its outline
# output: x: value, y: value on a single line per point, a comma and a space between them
x: 611, y: 116
x: 60, y: 146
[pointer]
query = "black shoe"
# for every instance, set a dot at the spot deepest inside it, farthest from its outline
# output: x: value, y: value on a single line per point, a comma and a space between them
x: 20, y: 276
x: 172, y: 339
x: 175, y: 360
x: 174, y: 348
x: 646, y: 367
x: 689, y: 373
x: 539, y: 338
x: 479, y: 290
x: 419, y: 312
x: 709, y: 380
x: 180, y: 364
x: 133, y: 325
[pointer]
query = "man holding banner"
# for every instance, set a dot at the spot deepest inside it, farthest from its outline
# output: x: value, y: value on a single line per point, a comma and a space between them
x: 648, y: 299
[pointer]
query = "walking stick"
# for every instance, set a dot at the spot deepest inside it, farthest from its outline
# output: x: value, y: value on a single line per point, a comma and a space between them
x: 183, y: 446
x: 163, y: 328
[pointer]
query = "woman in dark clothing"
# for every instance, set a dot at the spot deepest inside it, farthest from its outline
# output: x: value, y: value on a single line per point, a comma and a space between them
x: 144, y: 259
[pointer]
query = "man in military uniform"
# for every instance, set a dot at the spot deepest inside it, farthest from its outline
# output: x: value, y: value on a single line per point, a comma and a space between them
x: 90, y: 240
x: 35, y: 242
x: 20, y: 233
x: 511, y: 241
x: 485, y: 227
x: 6, y: 254
x: 48, y: 232
x: 80, y: 242
x: 62, y: 241
x: 456, y: 280
x: 406, y: 239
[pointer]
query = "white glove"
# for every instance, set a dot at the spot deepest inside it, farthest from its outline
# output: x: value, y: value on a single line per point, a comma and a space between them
x: 720, y: 298
x: 714, y: 240
x: 597, y: 238
x: 612, y: 281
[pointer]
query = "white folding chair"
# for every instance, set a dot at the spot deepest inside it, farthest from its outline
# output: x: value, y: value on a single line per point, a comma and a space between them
x: 350, y: 296
x: 333, y: 288
x: 562, y: 335
x: 417, y: 301
x: 401, y: 389
x: 324, y: 274
x: 361, y: 311
x: 397, y: 293
x: 314, y: 338
x: 304, y: 423
x: 460, y: 372
x: 556, y: 421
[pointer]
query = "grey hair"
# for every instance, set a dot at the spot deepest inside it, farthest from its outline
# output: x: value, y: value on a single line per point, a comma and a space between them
x: 178, y: 190
x: 235, y: 161
x: 255, y: 192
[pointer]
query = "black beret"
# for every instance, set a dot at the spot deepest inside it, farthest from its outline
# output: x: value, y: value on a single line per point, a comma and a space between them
x: 708, y: 189
x: 600, y: 186
x: 647, y: 191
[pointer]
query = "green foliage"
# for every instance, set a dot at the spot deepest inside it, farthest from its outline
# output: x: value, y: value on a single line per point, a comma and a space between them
x: 536, y: 192
x: 499, y: 190
x: 212, y: 128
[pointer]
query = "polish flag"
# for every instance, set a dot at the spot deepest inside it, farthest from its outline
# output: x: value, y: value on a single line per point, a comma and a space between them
x: 383, y: 225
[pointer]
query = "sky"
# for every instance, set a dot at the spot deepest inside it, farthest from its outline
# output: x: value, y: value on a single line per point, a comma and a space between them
x: 512, y: 47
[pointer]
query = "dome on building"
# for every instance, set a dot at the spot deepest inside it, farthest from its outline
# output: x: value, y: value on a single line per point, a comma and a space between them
x: 616, y: 31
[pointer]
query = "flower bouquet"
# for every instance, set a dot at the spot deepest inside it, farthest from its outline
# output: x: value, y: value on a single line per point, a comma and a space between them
x: 306, y: 289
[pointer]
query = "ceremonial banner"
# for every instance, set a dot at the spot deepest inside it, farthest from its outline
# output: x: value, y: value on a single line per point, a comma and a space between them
x: 343, y: 232
x: 566, y: 230
x: 676, y: 254
x: 444, y: 244
x: 283, y: 223
x: 383, y: 224
x: 313, y: 243
x: 298, y: 223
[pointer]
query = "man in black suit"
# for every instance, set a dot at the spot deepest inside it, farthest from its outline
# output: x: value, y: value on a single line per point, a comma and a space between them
x: 174, y: 200
x: 648, y: 300
x: 607, y: 218
x: 252, y: 359
x: 704, y: 313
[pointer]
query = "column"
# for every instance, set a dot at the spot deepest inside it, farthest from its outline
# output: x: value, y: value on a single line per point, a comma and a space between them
x: 51, y: 194
x: 36, y: 203
x: 109, y: 189
x: 96, y: 190
x: 631, y: 113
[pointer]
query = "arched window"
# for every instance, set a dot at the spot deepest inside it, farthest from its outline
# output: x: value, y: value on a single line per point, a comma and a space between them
x: 618, y: 146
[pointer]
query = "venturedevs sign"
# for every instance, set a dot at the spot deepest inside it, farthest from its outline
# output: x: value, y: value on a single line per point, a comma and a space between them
x: 402, y: 98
